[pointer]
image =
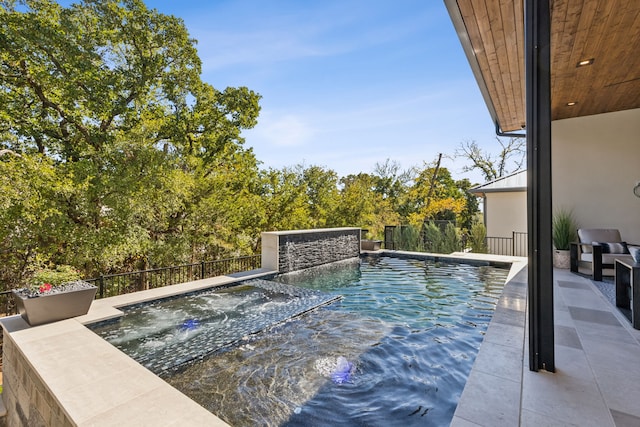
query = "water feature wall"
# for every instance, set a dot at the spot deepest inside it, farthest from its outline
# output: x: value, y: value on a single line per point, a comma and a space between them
x: 287, y: 251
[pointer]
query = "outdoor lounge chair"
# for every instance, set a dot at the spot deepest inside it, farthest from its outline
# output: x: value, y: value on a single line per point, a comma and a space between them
x: 599, y: 247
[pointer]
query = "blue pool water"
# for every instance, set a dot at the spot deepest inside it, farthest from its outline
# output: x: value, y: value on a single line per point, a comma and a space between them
x: 165, y: 334
x: 410, y: 330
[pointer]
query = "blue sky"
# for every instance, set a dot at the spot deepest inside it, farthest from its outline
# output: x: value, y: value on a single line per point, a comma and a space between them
x: 344, y: 83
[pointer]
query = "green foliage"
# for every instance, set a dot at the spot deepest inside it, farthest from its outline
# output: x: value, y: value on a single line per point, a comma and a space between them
x: 428, y: 238
x: 435, y: 195
x: 432, y: 237
x: 450, y: 239
x: 55, y: 276
x: 407, y: 238
x: 466, y: 218
x: 564, y: 229
x: 360, y: 205
x: 115, y: 155
x: 478, y: 238
x: 124, y: 158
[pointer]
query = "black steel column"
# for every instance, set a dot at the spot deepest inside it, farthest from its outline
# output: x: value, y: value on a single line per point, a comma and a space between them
x: 537, y: 21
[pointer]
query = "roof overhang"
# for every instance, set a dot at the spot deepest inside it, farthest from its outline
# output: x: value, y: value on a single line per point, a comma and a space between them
x: 605, y: 34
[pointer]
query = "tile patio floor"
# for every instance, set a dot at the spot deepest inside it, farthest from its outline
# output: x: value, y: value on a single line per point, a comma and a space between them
x: 597, y: 378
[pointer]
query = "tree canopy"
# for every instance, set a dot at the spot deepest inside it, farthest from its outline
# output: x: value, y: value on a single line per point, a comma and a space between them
x: 124, y: 153
x: 116, y: 155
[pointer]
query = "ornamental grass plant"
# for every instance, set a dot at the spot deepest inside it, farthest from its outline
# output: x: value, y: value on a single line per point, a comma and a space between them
x: 564, y: 230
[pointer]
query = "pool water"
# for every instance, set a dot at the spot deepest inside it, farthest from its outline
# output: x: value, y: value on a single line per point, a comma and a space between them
x: 395, y: 350
x: 165, y: 334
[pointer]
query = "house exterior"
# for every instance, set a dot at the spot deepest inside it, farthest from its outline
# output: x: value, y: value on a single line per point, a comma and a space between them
x: 567, y: 75
x: 595, y: 169
x: 505, y: 204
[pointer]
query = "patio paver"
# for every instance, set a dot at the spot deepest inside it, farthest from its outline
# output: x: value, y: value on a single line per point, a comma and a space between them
x: 597, y: 378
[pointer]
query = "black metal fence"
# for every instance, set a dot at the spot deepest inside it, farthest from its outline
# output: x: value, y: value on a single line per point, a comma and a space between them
x: 516, y: 245
x: 7, y: 305
x: 117, y: 284
x: 389, y: 241
x: 122, y: 283
x: 410, y: 238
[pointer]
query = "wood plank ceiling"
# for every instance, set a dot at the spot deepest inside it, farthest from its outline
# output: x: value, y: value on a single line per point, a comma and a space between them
x: 605, y: 32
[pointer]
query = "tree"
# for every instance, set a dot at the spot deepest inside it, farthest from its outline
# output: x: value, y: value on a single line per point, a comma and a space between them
x: 392, y: 183
x: 434, y: 196
x: 26, y: 214
x: 322, y: 194
x: 283, y: 202
x: 467, y: 217
x: 140, y: 160
x: 361, y: 206
x: 492, y: 166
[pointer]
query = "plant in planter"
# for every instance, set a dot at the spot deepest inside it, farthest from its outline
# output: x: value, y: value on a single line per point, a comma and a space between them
x: 54, y: 294
x: 564, y: 232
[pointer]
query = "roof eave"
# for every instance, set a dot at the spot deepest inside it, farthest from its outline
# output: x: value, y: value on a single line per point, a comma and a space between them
x: 461, y: 30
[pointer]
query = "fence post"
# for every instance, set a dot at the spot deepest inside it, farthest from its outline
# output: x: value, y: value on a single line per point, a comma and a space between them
x: 101, y: 285
x: 389, y: 242
x: 202, y: 269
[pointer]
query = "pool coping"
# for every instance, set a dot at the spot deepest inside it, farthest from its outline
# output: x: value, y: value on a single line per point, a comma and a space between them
x: 493, y: 392
x: 93, y: 383
x: 64, y: 374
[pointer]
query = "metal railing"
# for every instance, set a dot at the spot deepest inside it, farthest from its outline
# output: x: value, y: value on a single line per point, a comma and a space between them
x: 7, y: 305
x: 516, y: 245
x: 122, y: 283
x: 394, y: 240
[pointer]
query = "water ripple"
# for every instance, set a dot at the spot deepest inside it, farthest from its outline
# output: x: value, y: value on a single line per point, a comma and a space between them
x: 411, y: 329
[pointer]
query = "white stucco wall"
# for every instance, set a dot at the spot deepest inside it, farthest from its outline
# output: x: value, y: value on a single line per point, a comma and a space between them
x: 595, y: 165
x: 506, y: 212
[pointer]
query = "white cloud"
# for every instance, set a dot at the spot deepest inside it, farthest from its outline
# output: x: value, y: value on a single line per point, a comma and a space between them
x: 288, y: 130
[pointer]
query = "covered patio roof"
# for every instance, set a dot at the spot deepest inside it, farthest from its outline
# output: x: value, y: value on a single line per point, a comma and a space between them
x: 595, y: 56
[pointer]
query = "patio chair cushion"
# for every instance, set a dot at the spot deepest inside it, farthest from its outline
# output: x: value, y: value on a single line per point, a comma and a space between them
x: 635, y: 253
x: 613, y: 247
x: 607, y: 258
x: 587, y: 235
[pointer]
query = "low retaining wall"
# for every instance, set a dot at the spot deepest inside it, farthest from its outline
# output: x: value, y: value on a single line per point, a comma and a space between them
x: 286, y: 251
x: 28, y: 401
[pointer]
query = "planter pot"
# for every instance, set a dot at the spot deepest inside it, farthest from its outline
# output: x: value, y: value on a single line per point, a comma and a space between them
x: 561, y: 258
x: 54, y: 306
x: 370, y: 245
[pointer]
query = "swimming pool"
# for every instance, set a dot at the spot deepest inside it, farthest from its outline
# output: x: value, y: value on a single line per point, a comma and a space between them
x: 395, y: 350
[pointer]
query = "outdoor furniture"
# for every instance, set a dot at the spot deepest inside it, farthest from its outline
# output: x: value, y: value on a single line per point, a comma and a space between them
x: 599, y: 247
x: 628, y: 288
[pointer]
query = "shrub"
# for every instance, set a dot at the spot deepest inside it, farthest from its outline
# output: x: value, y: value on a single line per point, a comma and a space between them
x: 432, y: 237
x: 450, y: 240
x: 407, y: 238
x: 478, y: 238
x: 55, y: 276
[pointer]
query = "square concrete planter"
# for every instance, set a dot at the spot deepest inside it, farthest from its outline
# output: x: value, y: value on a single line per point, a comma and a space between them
x: 370, y: 245
x: 51, y: 307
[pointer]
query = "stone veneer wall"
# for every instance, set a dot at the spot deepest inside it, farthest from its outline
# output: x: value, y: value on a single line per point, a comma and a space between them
x: 289, y: 251
x: 28, y: 401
